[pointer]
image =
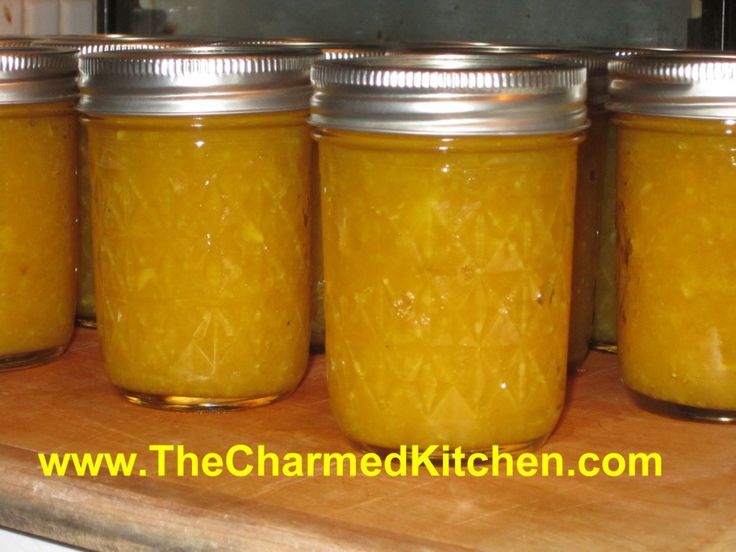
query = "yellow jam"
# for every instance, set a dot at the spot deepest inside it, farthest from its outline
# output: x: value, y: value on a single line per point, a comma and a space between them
x: 591, y: 161
x: 604, y: 319
x: 201, y: 247
x: 447, y: 271
x: 85, y: 273
x: 38, y: 200
x: 677, y: 240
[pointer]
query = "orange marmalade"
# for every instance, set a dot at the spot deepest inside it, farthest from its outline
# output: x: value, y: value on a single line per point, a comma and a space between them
x: 37, y: 231
x: 677, y: 239
x: 447, y: 264
x: 201, y: 247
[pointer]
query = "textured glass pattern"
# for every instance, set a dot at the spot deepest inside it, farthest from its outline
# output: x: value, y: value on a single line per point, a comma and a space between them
x: 447, y: 271
x: 201, y: 245
x: 676, y: 209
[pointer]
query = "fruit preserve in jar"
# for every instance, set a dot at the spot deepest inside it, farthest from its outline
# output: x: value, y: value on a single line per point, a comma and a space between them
x: 605, y: 306
x: 87, y: 44
x: 448, y: 188
x: 676, y: 206
x: 200, y: 170
x: 591, y: 160
x: 591, y: 171
x: 38, y: 154
x: 330, y: 50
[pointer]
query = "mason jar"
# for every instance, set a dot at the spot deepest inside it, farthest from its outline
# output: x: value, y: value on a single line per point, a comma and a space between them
x: 448, y: 186
x: 200, y: 163
x: 605, y: 305
x: 38, y: 155
x: 330, y: 50
x: 591, y: 168
x: 87, y: 44
x: 676, y: 206
x: 588, y: 197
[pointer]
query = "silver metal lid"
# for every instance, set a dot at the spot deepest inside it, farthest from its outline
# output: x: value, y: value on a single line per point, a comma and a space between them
x: 37, y: 75
x: 596, y: 64
x: 329, y: 49
x: 192, y: 81
x: 592, y: 59
x: 449, y: 94
x: 89, y: 44
x: 675, y: 85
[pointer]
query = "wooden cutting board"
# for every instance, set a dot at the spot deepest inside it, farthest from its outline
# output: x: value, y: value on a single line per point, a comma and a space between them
x: 68, y: 406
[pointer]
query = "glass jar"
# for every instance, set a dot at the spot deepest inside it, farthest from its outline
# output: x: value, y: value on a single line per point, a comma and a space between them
x: 87, y: 44
x: 591, y: 162
x: 447, y: 245
x: 676, y: 208
x: 605, y: 305
x: 200, y: 171
x: 330, y: 50
x: 38, y: 140
x: 591, y: 171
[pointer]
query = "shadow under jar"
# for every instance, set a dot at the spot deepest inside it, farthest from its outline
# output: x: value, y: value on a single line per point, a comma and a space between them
x: 676, y: 207
x: 38, y: 203
x: 448, y: 187
x: 200, y: 166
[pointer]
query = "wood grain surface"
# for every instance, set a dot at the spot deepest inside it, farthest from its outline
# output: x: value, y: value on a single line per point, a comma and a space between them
x: 69, y: 406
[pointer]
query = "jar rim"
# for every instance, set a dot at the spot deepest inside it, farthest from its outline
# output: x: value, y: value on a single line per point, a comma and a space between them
x: 34, y: 74
x: 213, y: 79
x: 458, y: 94
x: 680, y: 84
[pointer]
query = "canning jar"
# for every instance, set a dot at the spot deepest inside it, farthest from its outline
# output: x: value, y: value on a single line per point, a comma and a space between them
x: 330, y: 50
x: 676, y: 206
x: 591, y: 161
x: 87, y: 44
x: 38, y: 145
x: 199, y: 163
x: 591, y: 168
x: 448, y: 186
x: 605, y: 305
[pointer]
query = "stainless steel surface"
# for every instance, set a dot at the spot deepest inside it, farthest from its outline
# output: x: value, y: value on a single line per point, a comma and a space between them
x: 37, y: 75
x: 685, y: 84
x: 206, y: 80
x: 559, y: 22
x: 449, y: 94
